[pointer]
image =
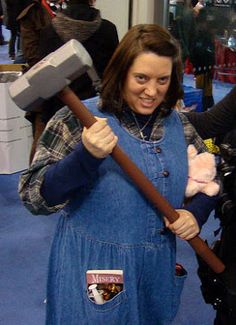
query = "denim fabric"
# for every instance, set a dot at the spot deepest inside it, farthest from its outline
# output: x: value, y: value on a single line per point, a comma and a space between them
x: 110, y: 225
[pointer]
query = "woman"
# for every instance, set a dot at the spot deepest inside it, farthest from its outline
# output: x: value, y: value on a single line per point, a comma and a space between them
x: 107, y: 224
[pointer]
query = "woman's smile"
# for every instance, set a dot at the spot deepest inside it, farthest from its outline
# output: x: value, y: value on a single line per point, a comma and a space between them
x: 147, y: 102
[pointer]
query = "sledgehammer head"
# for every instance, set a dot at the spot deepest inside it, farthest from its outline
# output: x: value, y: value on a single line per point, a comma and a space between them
x: 50, y: 75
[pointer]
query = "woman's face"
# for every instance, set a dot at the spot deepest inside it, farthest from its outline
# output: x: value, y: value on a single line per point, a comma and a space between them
x: 147, y: 82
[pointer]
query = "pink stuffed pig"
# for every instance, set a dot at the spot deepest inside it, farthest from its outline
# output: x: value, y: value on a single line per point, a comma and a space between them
x: 201, y: 174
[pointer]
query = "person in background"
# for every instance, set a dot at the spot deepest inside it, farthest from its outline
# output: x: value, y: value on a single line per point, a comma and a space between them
x: 226, y: 212
x: 80, y: 21
x: 35, y: 15
x: 106, y: 222
x: 2, y: 41
x: 220, y: 122
x: 184, y: 27
x: 202, y: 55
x: 13, y: 9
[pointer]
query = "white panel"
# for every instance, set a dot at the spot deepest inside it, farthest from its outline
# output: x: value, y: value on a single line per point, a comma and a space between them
x: 117, y: 12
x: 143, y: 12
x: 15, y: 135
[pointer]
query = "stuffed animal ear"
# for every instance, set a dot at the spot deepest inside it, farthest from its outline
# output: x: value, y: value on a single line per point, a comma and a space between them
x: 192, y: 151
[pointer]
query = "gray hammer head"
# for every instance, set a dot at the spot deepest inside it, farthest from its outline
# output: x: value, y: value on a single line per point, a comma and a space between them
x: 50, y: 75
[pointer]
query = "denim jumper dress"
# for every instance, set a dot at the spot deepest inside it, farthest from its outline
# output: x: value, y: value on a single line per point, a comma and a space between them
x: 110, y: 225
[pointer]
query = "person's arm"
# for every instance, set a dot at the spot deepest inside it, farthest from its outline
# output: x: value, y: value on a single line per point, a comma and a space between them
x: 201, y: 205
x: 191, y: 135
x: 66, y: 159
x: 220, y: 119
x: 61, y: 136
x: 66, y: 176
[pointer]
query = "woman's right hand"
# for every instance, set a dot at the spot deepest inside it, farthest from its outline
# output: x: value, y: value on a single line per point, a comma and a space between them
x: 99, y: 139
x: 185, y: 227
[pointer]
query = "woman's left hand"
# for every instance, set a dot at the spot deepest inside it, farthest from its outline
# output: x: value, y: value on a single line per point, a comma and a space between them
x: 185, y: 227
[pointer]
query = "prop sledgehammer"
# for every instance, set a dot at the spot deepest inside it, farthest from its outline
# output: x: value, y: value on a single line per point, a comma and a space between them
x: 52, y: 75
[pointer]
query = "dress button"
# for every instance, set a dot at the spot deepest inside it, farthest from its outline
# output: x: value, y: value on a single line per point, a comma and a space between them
x: 158, y: 149
x: 165, y: 173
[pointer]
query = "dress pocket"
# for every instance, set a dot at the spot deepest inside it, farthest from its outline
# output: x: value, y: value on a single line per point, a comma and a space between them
x: 179, y: 284
x: 107, y: 305
x: 114, y: 311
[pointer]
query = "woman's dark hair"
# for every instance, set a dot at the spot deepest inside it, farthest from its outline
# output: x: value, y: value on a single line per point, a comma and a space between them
x: 140, y: 38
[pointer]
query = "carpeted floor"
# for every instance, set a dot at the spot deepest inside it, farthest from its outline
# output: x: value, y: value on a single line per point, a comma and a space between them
x: 24, y: 249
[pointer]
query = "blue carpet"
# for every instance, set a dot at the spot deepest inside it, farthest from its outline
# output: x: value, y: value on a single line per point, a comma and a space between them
x: 25, y: 242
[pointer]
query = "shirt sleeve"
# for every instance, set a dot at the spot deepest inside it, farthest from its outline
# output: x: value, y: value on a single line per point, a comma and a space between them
x: 59, y: 139
x: 217, y: 121
x: 191, y: 135
x: 201, y: 205
x: 66, y: 176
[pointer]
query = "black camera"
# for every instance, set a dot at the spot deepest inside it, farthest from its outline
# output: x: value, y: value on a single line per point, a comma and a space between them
x: 227, y: 172
x: 228, y: 154
x: 219, y: 290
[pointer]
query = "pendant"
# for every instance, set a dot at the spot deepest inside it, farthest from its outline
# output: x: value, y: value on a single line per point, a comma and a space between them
x: 142, y: 135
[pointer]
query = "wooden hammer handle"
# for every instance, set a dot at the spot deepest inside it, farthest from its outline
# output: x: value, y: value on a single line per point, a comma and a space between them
x: 141, y: 181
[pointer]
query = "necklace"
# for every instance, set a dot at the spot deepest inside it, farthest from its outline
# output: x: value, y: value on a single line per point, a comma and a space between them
x: 143, y: 127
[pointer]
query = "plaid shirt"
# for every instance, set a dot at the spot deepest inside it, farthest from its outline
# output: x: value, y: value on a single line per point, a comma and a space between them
x: 61, y: 135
